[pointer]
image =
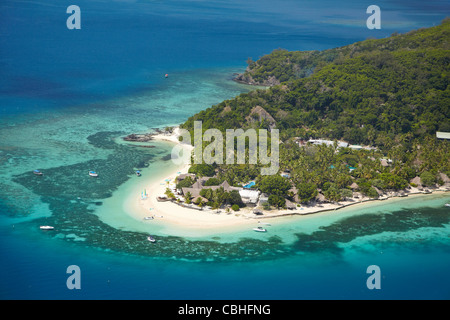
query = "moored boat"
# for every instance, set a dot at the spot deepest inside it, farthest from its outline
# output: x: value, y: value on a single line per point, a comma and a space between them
x: 259, y: 229
x: 151, y: 239
x: 46, y: 227
x: 149, y: 218
x: 138, y: 173
x: 93, y: 174
x: 37, y: 172
x: 447, y: 204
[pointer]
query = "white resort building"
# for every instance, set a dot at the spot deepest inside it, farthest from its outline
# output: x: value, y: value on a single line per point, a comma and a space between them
x: 249, y: 197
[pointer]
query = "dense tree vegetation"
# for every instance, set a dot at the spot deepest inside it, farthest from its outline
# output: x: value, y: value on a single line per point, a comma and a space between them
x: 274, y: 185
x: 390, y: 93
x: 219, y: 196
x: 202, y: 170
x: 378, y: 92
x: 306, y: 191
x: 185, y: 183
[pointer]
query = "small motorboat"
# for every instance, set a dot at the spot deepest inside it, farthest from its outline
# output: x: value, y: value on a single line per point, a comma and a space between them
x: 37, y: 172
x: 149, y: 218
x: 151, y: 239
x: 166, y: 75
x: 138, y: 173
x: 447, y: 204
x: 93, y: 174
x: 46, y: 227
x: 259, y: 229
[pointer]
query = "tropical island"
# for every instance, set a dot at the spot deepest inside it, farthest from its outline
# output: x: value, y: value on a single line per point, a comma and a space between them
x: 360, y: 122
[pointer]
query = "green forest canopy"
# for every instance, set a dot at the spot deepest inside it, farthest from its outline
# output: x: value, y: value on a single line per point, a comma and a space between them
x: 391, y: 93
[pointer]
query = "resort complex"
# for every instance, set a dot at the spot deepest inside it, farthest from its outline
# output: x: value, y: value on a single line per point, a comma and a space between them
x: 278, y: 195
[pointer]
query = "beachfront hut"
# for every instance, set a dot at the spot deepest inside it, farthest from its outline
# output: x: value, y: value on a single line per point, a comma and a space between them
x: 259, y: 114
x: 183, y: 176
x: 417, y: 181
x: 380, y: 193
x: 444, y: 178
x: 195, y: 192
x: 354, y: 186
x: 290, y: 205
x: 358, y: 195
x: 320, y: 198
x: 200, y: 182
x: 294, y: 192
x: 263, y: 198
x: 226, y: 186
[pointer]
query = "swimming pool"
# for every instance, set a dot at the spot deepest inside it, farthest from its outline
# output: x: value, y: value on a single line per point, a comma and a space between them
x: 249, y: 185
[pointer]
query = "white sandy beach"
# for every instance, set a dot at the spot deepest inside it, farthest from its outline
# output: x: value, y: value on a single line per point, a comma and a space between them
x: 172, y: 214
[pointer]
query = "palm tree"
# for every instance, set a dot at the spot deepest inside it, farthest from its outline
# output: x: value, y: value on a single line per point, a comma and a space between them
x: 188, y: 197
x: 199, y: 202
x: 215, y: 206
x: 169, y: 194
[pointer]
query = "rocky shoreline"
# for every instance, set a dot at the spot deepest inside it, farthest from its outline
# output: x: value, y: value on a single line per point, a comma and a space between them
x: 135, y: 137
x: 246, y: 78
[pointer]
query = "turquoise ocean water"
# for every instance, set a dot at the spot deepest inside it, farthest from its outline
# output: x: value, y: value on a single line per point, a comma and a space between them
x: 66, y: 98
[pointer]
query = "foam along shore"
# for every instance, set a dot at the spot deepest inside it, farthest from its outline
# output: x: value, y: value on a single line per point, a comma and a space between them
x: 191, y: 218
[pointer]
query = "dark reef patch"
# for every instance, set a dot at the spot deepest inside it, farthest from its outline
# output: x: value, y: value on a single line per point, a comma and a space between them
x: 329, y: 237
x: 72, y: 196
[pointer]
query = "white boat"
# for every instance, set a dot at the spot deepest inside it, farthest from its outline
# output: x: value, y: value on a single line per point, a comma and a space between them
x: 259, y: 229
x: 93, y: 174
x: 37, y: 172
x: 46, y: 227
x: 447, y: 204
x: 151, y: 239
x: 148, y: 218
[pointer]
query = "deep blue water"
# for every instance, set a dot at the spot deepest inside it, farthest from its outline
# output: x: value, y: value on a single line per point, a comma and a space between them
x: 123, y: 46
x: 112, y: 70
x: 411, y: 268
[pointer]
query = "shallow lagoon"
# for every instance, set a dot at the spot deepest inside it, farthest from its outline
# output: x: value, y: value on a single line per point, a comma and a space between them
x: 67, y: 97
